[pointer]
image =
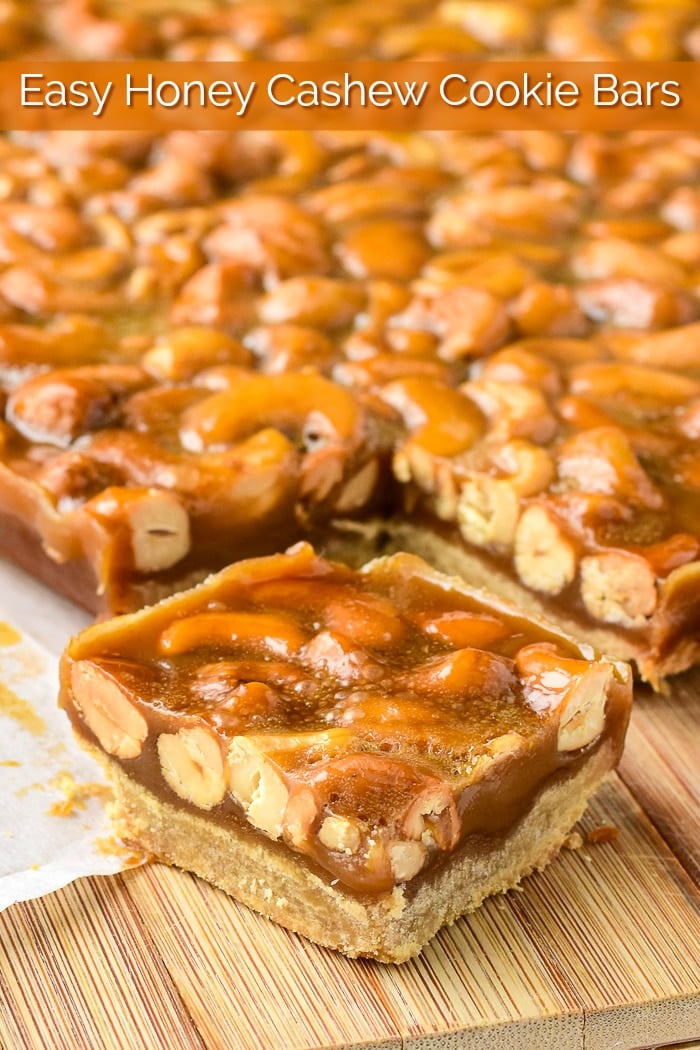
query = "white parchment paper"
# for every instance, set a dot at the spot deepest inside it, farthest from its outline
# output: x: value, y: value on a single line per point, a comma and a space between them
x: 53, y: 825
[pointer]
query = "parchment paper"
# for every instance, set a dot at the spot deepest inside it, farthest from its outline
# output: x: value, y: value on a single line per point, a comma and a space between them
x: 54, y: 825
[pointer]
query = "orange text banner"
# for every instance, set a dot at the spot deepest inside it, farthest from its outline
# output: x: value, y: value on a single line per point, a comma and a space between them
x: 357, y: 95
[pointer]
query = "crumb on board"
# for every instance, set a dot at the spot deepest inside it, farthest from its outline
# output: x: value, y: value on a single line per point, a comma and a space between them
x: 110, y: 846
x: 574, y: 840
x: 20, y: 711
x: 8, y: 635
x: 75, y: 795
x: 593, y: 837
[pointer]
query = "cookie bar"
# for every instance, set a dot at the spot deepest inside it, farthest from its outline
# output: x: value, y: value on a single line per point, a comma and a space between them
x: 118, y: 488
x: 361, y: 756
x: 576, y: 494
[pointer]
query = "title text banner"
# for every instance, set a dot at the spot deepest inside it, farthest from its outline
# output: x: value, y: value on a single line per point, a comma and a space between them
x: 357, y: 95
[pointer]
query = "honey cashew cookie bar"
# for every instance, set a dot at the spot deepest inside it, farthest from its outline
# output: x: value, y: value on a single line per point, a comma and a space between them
x: 361, y: 756
x: 483, y: 349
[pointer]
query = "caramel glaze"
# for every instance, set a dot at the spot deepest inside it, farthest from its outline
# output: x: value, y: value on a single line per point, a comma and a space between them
x: 367, y: 749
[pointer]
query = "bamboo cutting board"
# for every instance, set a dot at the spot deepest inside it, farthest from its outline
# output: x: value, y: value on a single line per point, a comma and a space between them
x: 602, y: 950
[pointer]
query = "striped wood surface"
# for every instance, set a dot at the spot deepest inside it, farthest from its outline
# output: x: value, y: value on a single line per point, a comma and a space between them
x: 600, y: 951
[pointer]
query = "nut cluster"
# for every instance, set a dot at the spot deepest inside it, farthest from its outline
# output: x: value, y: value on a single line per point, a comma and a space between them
x: 344, y: 713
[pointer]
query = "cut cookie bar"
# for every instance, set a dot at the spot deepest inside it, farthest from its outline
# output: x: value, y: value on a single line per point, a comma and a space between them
x: 362, y: 756
x: 574, y: 493
x: 176, y: 480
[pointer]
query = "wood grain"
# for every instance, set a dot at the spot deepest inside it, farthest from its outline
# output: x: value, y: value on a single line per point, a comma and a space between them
x: 661, y: 765
x: 78, y: 971
x: 598, y: 951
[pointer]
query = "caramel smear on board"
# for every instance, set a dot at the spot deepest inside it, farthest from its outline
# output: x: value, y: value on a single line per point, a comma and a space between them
x: 604, y: 833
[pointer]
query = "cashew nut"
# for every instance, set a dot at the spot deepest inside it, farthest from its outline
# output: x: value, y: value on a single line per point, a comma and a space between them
x: 193, y: 766
x: 155, y: 522
x: 545, y: 559
x: 118, y: 725
x: 314, y: 408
